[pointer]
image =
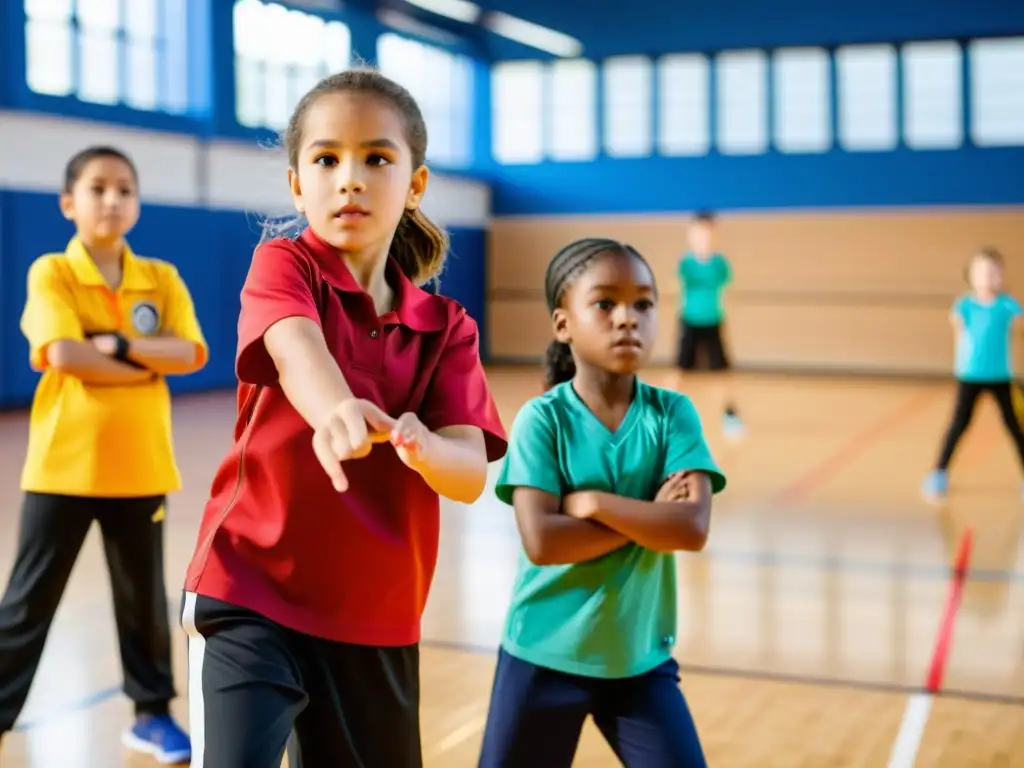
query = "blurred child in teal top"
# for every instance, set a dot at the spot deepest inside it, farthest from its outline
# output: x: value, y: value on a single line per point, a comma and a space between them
x: 704, y: 274
x: 984, y: 320
x: 608, y: 477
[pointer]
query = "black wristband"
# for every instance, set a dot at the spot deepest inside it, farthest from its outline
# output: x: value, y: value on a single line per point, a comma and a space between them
x: 121, y: 352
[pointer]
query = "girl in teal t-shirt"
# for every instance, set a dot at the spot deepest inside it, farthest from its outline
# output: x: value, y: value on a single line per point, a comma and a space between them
x: 608, y: 477
x: 984, y: 320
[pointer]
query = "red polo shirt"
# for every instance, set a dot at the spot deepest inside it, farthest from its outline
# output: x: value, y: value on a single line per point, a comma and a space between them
x: 276, y: 537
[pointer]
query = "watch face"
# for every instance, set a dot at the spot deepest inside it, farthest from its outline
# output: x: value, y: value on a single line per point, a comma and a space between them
x: 145, y: 318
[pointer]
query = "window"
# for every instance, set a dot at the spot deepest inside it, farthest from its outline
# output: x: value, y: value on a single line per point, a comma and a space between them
x: 99, y: 71
x: 866, y: 76
x: 48, y: 41
x: 172, y: 75
x: 279, y: 55
x: 628, y: 106
x: 802, y: 115
x: 683, y: 114
x: 997, y: 92
x: 742, y: 102
x: 573, y: 127
x: 442, y: 84
x: 932, y: 85
x: 517, y: 112
x: 140, y: 38
x: 107, y: 52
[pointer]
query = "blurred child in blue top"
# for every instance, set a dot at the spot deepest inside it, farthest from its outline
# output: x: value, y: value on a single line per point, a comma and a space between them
x: 984, y: 320
x: 704, y: 274
x: 608, y: 477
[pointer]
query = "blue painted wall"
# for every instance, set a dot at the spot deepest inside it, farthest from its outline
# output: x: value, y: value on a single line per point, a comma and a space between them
x: 211, y: 250
x: 967, y: 176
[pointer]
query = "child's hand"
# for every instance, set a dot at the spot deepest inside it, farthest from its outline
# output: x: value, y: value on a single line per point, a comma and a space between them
x: 582, y: 505
x: 105, y: 343
x: 409, y: 435
x: 677, y: 487
x: 349, y: 433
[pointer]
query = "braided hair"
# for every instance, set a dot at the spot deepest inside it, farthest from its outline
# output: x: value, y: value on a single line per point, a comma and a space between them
x: 563, y: 270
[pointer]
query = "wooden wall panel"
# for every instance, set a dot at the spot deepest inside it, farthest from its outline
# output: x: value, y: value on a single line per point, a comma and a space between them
x: 844, y: 291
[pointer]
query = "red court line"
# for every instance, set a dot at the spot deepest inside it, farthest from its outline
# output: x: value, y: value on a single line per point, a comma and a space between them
x: 833, y: 464
x: 944, y: 639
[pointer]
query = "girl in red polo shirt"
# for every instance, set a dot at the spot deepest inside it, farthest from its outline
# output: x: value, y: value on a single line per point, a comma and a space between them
x: 304, y: 596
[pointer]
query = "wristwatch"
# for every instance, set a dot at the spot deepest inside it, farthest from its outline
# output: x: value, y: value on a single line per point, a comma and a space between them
x: 121, y: 351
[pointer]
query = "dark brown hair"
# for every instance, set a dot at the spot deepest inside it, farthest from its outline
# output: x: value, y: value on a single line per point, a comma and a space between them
x: 73, y: 170
x: 563, y: 270
x: 419, y: 245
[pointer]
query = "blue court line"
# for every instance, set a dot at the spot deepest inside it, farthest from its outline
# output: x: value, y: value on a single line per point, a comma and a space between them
x: 90, y: 701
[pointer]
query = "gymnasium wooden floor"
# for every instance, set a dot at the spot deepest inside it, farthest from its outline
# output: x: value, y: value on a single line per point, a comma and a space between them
x: 824, y: 609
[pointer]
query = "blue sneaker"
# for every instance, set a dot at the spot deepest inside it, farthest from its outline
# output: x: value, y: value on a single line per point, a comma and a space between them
x: 935, y: 486
x: 159, y: 736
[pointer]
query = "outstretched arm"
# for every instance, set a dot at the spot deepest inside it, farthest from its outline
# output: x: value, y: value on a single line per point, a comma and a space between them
x: 452, y: 461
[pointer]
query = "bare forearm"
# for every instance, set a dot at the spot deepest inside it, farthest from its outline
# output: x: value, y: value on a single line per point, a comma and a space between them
x: 312, y: 381
x: 166, y: 355
x: 560, y: 540
x: 454, y: 468
x: 664, y: 526
x: 83, y: 361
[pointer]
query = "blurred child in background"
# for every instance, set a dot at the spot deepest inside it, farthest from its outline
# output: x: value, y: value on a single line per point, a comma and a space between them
x: 704, y: 274
x: 984, y: 320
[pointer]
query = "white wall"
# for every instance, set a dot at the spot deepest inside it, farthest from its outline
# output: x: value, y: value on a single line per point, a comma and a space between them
x: 184, y: 171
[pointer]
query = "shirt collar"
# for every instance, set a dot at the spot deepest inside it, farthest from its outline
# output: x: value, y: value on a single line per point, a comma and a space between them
x: 133, y: 277
x: 416, y: 309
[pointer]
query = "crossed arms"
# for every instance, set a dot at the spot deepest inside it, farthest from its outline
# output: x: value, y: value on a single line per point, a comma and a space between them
x: 589, y: 524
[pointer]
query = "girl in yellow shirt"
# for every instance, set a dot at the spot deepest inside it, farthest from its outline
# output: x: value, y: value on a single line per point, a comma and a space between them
x: 105, y: 327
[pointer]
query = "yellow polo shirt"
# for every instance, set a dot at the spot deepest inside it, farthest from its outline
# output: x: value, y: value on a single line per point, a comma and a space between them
x: 102, y: 440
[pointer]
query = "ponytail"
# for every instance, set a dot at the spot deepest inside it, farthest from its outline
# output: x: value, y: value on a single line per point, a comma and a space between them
x: 419, y: 246
x: 559, y: 365
x: 288, y: 227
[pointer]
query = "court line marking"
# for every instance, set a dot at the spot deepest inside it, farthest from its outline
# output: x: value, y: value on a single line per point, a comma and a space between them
x: 875, y: 567
x: 953, y: 694
x: 911, y: 732
x: 874, y: 686
x: 459, y: 735
x: 944, y: 639
x: 88, y: 702
x: 919, y: 706
x: 851, y: 449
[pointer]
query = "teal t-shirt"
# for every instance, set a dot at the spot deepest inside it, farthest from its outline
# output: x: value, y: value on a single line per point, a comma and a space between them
x: 614, y: 616
x: 983, y: 351
x: 703, y: 284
